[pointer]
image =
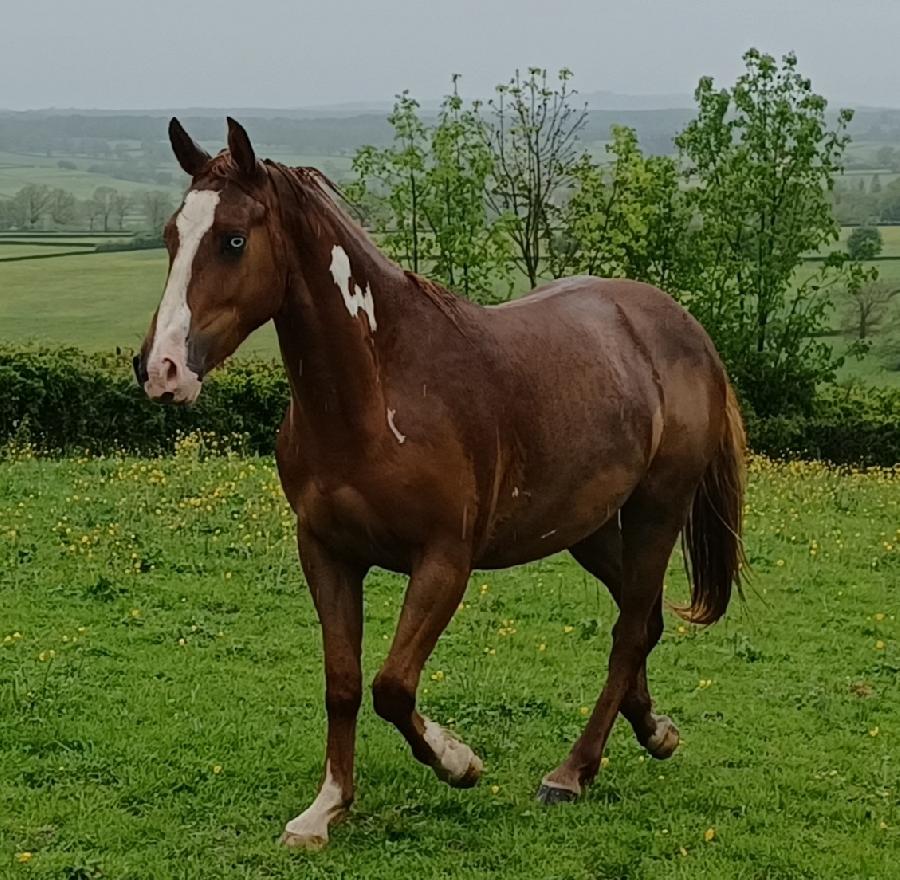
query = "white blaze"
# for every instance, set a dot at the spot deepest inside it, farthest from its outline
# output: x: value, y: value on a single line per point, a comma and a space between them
x: 355, y: 299
x: 173, y: 320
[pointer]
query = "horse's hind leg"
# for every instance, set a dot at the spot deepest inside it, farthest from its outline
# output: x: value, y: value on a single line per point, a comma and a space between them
x: 651, y: 521
x: 601, y: 555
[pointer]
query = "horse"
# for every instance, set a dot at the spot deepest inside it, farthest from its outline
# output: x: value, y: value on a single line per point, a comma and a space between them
x: 431, y: 436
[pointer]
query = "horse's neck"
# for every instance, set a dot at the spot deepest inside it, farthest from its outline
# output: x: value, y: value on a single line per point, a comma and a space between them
x: 335, y: 331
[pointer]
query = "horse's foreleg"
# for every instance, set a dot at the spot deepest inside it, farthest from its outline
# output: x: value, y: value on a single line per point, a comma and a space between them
x: 648, y: 535
x: 435, y: 589
x: 336, y: 589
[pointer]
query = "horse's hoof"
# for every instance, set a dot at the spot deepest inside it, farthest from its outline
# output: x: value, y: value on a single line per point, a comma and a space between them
x: 460, y: 767
x: 553, y: 794
x: 310, y: 842
x: 665, y: 739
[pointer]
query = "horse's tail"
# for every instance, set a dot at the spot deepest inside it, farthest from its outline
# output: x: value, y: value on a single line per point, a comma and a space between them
x: 713, y: 549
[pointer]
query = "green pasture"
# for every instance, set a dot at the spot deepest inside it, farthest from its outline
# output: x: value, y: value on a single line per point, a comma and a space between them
x: 95, y: 301
x: 161, y: 694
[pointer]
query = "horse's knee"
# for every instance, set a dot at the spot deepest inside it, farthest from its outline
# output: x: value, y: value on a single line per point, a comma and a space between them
x: 392, y: 698
x: 343, y: 699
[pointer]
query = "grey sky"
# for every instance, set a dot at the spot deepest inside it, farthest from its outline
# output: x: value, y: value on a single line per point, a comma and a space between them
x: 276, y: 53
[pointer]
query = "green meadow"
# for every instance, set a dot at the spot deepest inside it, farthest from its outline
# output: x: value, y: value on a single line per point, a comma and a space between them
x: 161, y: 694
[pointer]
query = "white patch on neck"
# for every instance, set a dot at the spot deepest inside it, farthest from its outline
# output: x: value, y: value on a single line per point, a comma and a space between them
x: 313, y: 822
x: 401, y: 438
x: 357, y: 299
x: 173, y: 320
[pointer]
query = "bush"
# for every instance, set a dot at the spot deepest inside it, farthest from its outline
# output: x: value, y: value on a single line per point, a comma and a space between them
x: 849, y: 424
x: 63, y: 400
x: 137, y: 243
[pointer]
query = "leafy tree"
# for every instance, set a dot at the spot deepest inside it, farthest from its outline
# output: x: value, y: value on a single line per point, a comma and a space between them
x: 531, y: 129
x: 466, y: 247
x: 864, y: 243
x: 397, y: 174
x: 425, y: 196
x: 760, y: 159
x: 628, y: 218
x: 875, y: 185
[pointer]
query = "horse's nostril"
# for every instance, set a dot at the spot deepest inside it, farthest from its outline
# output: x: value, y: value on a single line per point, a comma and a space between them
x: 167, y: 397
x: 171, y: 369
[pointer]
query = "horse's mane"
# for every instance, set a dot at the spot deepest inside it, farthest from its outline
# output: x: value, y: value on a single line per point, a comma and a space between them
x: 314, y: 188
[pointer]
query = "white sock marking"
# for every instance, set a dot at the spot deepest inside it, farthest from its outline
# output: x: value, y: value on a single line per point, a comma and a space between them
x: 401, y: 438
x: 357, y: 299
x: 453, y: 757
x: 313, y: 822
x: 173, y: 320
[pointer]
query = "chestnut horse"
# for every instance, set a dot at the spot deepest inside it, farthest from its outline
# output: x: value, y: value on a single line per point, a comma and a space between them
x: 431, y: 436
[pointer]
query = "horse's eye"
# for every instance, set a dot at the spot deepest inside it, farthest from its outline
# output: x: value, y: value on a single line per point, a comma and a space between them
x: 234, y: 244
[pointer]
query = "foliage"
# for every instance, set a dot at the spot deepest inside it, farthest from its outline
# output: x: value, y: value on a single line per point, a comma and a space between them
x: 63, y: 400
x: 864, y: 243
x: 424, y: 196
x: 531, y: 129
x: 761, y: 158
x: 628, y: 218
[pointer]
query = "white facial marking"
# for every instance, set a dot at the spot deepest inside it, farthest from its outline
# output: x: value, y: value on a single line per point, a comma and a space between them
x: 548, y: 534
x: 173, y: 320
x: 515, y: 492
x: 401, y: 438
x: 312, y: 824
x: 453, y: 758
x: 357, y: 299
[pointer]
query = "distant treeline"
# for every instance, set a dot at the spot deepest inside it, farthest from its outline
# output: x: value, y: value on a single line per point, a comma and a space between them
x: 88, y: 134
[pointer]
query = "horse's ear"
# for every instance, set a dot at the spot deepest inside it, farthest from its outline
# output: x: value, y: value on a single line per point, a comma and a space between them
x: 240, y: 148
x: 190, y: 157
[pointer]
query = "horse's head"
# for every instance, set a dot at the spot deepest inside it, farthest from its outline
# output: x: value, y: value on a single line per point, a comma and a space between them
x: 224, y: 278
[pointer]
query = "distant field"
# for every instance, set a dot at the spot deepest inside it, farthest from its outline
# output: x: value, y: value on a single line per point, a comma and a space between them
x: 12, y: 251
x: 95, y: 302
x: 19, y: 169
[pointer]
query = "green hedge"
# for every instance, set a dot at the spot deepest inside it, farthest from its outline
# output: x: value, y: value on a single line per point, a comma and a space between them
x: 63, y: 400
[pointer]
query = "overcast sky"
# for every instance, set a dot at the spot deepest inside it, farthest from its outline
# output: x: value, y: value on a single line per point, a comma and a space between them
x: 298, y: 53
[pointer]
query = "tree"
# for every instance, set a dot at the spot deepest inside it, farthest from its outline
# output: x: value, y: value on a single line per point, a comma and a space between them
x: 157, y: 207
x: 62, y: 207
x: 466, y: 248
x: 531, y: 130
x: 868, y: 303
x: 397, y: 173
x: 31, y: 203
x: 864, y: 243
x: 425, y: 196
x: 628, y: 218
x: 121, y: 204
x: 760, y: 159
x: 105, y: 199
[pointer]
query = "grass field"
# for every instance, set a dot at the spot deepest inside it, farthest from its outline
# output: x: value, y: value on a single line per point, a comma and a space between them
x: 161, y: 706
x: 95, y: 301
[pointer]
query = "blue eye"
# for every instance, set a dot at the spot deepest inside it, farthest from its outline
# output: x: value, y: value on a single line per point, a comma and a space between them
x: 234, y: 244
